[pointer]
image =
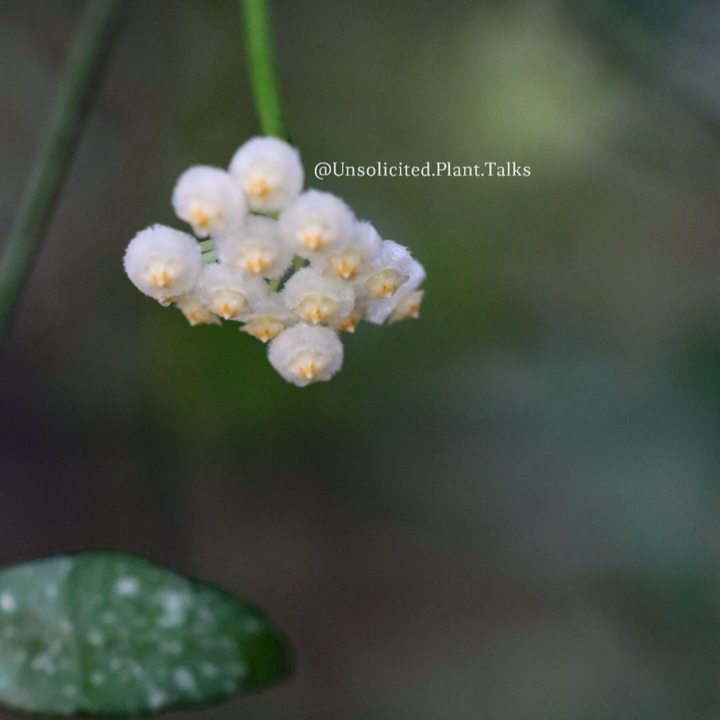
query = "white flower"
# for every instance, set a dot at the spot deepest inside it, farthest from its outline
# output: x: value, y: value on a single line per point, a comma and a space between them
x: 163, y: 263
x: 269, y: 319
x: 210, y: 199
x: 229, y: 292
x: 380, y: 308
x: 408, y: 307
x: 304, y: 354
x: 195, y: 311
x: 270, y: 173
x: 390, y: 270
x: 264, y: 327
x: 317, y: 298
x: 350, y: 322
x: 317, y: 222
x: 363, y: 248
x: 256, y: 249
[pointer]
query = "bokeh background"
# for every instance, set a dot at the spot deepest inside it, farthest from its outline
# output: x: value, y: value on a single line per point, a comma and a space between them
x: 508, y: 509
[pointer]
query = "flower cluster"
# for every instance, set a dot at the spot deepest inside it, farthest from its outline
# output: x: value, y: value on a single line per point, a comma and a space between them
x: 295, y: 268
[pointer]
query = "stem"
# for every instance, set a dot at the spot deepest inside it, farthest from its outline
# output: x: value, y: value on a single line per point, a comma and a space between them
x: 91, y: 45
x: 262, y: 67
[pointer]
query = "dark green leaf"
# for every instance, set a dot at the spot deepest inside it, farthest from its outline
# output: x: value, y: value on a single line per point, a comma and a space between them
x: 106, y: 633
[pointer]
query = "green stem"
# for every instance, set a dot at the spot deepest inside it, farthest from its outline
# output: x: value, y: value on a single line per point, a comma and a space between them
x: 87, y: 57
x: 262, y: 67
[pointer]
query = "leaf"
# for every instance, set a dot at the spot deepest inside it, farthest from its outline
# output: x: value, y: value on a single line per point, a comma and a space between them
x: 112, y: 634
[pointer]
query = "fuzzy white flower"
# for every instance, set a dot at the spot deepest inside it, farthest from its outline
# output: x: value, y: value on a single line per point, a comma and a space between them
x: 317, y: 222
x: 209, y: 199
x: 349, y: 322
x: 229, y: 292
x: 316, y: 298
x: 163, y: 263
x: 269, y: 319
x: 379, y: 307
x: 362, y: 249
x: 256, y: 249
x: 390, y: 270
x: 270, y: 173
x: 195, y: 311
x: 304, y: 354
x: 407, y: 307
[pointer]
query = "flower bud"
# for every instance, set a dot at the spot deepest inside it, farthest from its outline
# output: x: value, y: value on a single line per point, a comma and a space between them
x: 317, y: 299
x: 317, y: 222
x: 163, y: 263
x: 229, y: 292
x: 210, y: 199
x: 256, y: 249
x: 270, y: 173
x: 304, y: 354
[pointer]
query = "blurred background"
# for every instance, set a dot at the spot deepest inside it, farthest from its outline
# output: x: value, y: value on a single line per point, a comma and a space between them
x: 508, y: 509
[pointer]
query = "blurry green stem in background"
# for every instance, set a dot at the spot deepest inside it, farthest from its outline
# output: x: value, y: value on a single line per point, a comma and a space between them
x: 262, y: 67
x: 98, y: 27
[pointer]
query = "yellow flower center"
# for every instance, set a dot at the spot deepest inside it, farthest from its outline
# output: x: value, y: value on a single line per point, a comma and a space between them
x: 228, y: 303
x: 384, y: 283
x: 257, y: 260
x: 346, y: 265
x: 200, y: 218
x: 309, y: 364
x: 317, y: 309
x: 264, y: 328
x: 258, y: 187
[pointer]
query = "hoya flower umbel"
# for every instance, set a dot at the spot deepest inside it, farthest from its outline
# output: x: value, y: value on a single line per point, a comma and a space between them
x: 163, y: 263
x: 317, y: 298
x: 303, y: 354
x: 229, y: 292
x: 292, y: 268
x: 209, y: 199
x: 317, y: 222
x: 256, y: 249
x: 270, y: 173
x: 363, y: 247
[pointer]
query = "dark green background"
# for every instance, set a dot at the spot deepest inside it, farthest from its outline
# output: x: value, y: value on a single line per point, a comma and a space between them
x: 509, y: 509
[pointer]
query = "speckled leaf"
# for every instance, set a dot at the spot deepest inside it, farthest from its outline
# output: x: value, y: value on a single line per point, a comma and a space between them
x: 111, y: 634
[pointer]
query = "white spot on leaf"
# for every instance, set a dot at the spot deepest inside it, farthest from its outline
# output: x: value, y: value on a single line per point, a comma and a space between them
x: 174, y: 609
x: 43, y: 663
x: 184, y: 679
x: 156, y: 699
x: 127, y: 587
x: 7, y: 602
x: 209, y: 670
x: 97, y: 678
x: 95, y: 638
